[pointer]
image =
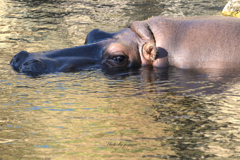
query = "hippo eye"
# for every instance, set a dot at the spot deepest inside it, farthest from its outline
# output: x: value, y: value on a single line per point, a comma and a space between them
x: 116, y: 59
x: 119, y: 58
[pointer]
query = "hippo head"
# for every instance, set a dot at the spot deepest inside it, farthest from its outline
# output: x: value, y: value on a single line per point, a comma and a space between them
x: 131, y: 47
x: 123, y: 49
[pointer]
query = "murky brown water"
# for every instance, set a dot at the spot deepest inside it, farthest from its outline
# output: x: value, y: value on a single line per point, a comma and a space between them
x: 134, y: 114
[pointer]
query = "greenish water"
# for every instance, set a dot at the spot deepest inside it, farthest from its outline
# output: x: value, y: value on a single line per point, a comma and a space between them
x: 134, y: 114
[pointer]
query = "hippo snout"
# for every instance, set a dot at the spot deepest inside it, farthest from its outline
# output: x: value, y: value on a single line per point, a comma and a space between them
x: 18, y: 59
x: 33, y: 65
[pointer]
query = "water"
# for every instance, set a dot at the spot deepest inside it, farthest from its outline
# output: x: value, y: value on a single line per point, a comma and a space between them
x: 133, y: 114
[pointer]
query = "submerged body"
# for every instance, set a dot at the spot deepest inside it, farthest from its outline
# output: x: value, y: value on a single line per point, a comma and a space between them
x: 197, y: 42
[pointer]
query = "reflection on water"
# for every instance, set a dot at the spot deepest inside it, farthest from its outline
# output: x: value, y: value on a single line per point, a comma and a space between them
x: 140, y: 113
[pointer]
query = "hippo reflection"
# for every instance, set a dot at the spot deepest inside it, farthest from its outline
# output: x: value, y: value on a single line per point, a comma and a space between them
x: 197, y: 42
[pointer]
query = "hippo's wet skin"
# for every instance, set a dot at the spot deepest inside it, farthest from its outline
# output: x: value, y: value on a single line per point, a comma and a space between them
x: 202, y: 42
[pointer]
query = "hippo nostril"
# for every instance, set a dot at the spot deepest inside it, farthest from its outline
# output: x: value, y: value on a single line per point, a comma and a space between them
x: 26, y: 63
x: 32, y: 61
x: 35, y: 61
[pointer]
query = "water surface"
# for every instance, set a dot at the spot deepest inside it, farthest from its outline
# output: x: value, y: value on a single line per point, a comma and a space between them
x: 132, y: 114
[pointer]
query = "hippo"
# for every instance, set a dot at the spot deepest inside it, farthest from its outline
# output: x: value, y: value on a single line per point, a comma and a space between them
x: 187, y: 43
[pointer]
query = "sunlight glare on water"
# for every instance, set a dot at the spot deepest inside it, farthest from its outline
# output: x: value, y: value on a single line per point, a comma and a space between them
x: 95, y: 114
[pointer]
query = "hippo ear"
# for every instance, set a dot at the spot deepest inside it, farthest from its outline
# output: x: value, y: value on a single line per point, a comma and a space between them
x: 143, y: 30
x: 149, y: 51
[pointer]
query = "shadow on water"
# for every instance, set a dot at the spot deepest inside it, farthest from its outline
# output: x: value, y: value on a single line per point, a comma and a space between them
x: 200, y: 82
x: 200, y: 124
